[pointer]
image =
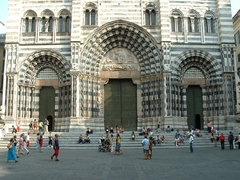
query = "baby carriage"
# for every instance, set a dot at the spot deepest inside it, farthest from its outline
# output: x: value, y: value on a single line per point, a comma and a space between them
x: 104, y: 146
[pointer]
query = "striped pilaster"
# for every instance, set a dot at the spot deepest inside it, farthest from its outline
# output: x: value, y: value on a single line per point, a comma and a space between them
x: 56, y: 110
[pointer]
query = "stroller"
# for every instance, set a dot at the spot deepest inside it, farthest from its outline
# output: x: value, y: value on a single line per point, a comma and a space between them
x: 104, y: 146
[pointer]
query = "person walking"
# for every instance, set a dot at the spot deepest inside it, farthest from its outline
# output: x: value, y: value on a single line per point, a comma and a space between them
x: 25, y: 143
x: 151, y: 141
x: 4, y: 128
x: 20, y: 147
x: 28, y: 140
x: 145, y: 144
x: 40, y: 140
x: 191, y: 143
x: 50, y: 138
x: 55, y: 147
x: 230, y: 140
x: 11, y: 152
x: 222, y: 140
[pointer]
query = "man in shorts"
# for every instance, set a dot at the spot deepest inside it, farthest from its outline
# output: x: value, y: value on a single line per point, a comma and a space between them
x: 145, y: 144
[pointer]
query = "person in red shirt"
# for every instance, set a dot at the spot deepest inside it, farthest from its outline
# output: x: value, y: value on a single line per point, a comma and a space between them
x: 222, y: 139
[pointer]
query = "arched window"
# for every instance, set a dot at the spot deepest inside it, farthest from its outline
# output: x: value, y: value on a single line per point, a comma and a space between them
x: 60, y: 24
x: 189, y: 25
x: 150, y: 14
x: 173, y: 24
x: 176, y: 22
x: 33, y: 28
x: 29, y: 21
x: 196, y: 24
x: 209, y: 23
x: 50, y: 28
x: 43, y: 24
x: 87, y: 17
x: 93, y: 16
x: 193, y: 24
x: 90, y: 12
x: 67, y: 24
x: 180, y: 24
x: 147, y: 17
x: 153, y: 17
x: 26, y: 25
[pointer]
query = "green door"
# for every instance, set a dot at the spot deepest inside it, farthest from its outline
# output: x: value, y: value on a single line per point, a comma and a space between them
x: 194, y: 106
x: 46, y: 105
x: 120, y: 104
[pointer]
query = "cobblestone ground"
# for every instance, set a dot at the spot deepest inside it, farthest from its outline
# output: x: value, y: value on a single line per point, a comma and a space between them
x: 176, y: 163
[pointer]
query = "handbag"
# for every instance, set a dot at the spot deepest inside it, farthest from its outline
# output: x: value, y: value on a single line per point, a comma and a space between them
x: 9, y: 146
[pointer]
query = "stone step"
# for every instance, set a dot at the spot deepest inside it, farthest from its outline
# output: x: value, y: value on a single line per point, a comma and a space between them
x: 69, y: 140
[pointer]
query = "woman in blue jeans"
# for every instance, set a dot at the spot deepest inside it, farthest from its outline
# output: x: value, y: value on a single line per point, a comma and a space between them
x: 118, y: 145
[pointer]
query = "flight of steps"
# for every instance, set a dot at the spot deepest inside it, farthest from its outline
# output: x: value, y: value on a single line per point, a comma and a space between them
x: 70, y: 140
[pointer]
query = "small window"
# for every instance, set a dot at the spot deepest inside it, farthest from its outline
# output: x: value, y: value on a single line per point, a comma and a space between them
x: 26, y: 25
x: 67, y: 24
x: 60, y: 24
x: 87, y: 17
x: 150, y: 17
x: 33, y: 29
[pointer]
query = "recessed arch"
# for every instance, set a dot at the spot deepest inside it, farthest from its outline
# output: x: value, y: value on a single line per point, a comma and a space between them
x: 39, y: 60
x: 121, y: 34
x: 199, y: 58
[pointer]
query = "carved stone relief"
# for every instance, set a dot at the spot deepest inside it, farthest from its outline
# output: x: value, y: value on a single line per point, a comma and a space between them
x: 119, y: 59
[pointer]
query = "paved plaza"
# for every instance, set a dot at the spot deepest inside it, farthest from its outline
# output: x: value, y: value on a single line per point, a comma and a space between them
x: 176, y: 163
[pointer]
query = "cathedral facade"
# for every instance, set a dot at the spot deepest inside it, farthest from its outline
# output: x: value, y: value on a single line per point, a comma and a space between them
x: 137, y: 63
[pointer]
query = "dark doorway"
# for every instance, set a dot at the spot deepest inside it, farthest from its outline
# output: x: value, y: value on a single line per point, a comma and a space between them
x: 120, y: 104
x: 51, y: 123
x: 46, y: 105
x: 194, y: 106
x: 198, y: 121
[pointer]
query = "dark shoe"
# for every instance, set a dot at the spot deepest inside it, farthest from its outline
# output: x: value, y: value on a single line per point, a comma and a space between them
x: 16, y: 161
x: 28, y: 152
x: 56, y: 160
x: 51, y: 157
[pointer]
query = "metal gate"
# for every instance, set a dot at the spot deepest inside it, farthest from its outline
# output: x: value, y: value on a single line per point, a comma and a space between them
x: 120, y: 104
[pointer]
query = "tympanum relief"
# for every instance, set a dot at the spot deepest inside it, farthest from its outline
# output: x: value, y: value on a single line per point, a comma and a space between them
x: 119, y: 59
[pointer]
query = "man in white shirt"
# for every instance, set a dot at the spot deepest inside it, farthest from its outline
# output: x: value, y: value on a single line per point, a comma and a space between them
x: 191, y: 142
x: 145, y: 144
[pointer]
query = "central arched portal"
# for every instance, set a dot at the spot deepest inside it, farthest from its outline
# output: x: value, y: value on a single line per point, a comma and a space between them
x: 120, y: 104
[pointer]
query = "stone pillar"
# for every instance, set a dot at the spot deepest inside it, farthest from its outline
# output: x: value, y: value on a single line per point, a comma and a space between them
x: 139, y: 103
x: 101, y: 98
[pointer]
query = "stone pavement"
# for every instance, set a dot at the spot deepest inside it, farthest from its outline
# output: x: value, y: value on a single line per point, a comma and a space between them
x: 178, y: 163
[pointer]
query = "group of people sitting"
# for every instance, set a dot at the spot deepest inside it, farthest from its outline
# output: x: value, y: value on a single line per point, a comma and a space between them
x: 146, y: 131
x: 117, y: 129
x: 82, y: 140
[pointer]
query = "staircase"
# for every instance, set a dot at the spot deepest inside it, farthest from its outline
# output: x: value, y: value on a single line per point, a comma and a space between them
x: 70, y: 140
